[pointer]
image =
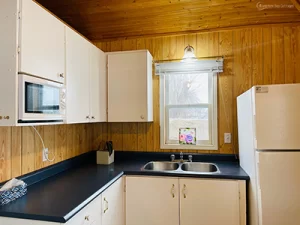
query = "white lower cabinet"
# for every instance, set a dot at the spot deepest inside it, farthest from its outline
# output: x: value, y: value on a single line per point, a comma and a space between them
x: 91, y: 214
x: 186, y: 201
x: 152, y: 201
x: 113, y: 212
x: 209, y: 202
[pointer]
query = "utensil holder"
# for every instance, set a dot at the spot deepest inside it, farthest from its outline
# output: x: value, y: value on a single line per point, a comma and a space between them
x: 103, y: 157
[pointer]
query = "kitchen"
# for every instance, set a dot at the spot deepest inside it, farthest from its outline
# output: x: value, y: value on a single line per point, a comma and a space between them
x: 262, y: 51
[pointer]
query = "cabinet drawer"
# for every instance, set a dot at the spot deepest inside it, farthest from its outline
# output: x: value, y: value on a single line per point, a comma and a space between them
x: 91, y: 214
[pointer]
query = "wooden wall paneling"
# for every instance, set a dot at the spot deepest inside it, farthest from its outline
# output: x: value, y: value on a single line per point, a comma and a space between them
x: 21, y: 148
x: 142, y: 137
x: 130, y: 130
x: 115, y: 134
x: 249, y: 63
x: 49, y: 140
x: 290, y: 54
x: 105, y: 131
x: 28, y: 150
x: 213, y: 44
x: 83, y: 138
x: 191, y: 39
x: 70, y: 142
x: 297, y: 51
x: 5, y: 153
x: 202, y: 45
x: 180, y: 46
x: 76, y: 139
x: 16, y: 152
x: 157, y: 53
x: 225, y: 92
x: 115, y: 46
x: 267, y: 55
x: 38, y: 148
x: 130, y: 136
x: 242, y: 71
x: 278, y: 75
x: 97, y: 138
x: 61, y: 143
x: 257, y: 56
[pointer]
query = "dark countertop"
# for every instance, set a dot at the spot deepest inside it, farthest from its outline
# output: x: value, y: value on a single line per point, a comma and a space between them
x: 59, y: 197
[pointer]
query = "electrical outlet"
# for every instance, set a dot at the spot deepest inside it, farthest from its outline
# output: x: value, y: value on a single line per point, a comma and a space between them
x: 227, y: 138
x: 45, y: 154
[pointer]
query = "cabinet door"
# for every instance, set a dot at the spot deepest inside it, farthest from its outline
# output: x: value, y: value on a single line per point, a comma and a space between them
x: 42, y: 43
x: 77, y: 78
x: 209, y: 202
x: 152, y: 201
x: 127, y: 87
x: 89, y: 215
x: 98, y: 85
x: 113, y: 212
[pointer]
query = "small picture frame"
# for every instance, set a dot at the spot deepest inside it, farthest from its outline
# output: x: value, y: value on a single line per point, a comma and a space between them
x: 187, y: 136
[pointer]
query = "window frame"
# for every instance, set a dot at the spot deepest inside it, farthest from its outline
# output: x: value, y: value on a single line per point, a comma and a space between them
x: 213, y: 122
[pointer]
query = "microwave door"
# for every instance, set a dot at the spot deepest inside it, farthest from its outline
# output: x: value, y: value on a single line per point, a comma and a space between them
x: 41, y: 101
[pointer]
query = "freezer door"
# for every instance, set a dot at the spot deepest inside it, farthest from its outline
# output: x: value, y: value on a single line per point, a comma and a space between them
x: 277, y: 116
x: 278, y: 188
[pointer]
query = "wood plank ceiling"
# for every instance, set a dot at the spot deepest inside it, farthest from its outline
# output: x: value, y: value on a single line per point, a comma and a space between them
x: 113, y: 19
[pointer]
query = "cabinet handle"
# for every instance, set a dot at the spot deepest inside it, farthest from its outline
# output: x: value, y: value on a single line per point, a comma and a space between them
x: 105, y: 210
x: 61, y: 75
x: 184, y: 191
x: 87, y: 218
x: 142, y: 117
x: 93, y: 117
x: 87, y: 117
x: 173, y: 191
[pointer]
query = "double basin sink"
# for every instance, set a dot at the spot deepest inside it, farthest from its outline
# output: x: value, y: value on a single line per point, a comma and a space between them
x: 182, y: 167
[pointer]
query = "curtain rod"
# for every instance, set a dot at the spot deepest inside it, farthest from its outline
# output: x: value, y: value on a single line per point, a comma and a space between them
x: 179, y: 60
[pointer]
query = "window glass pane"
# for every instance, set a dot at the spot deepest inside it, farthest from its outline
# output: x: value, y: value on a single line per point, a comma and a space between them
x: 187, y: 89
x: 188, y: 118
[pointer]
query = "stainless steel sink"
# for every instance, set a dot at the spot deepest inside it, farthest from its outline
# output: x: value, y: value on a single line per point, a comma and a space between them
x: 182, y: 167
x: 161, y: 166
x: 200, y: 167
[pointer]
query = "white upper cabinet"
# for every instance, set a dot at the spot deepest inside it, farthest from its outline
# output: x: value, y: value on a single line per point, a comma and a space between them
x: 85, y: 80
x: 41, y: 43
x: 130, y: 86
x: 98, y: 84
x: 77, y: 78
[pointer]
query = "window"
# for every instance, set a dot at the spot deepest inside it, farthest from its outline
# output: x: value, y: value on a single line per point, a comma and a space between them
x: 188, y: 100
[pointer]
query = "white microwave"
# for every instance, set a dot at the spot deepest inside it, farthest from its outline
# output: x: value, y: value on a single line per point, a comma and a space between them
x: 40, y: 100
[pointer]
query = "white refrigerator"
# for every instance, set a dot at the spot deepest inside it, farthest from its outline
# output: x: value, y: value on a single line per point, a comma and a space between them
x: 269, y: 150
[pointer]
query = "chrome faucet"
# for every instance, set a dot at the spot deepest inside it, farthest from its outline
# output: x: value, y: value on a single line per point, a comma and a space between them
x: 181, y: 156
x: 190, y: 157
